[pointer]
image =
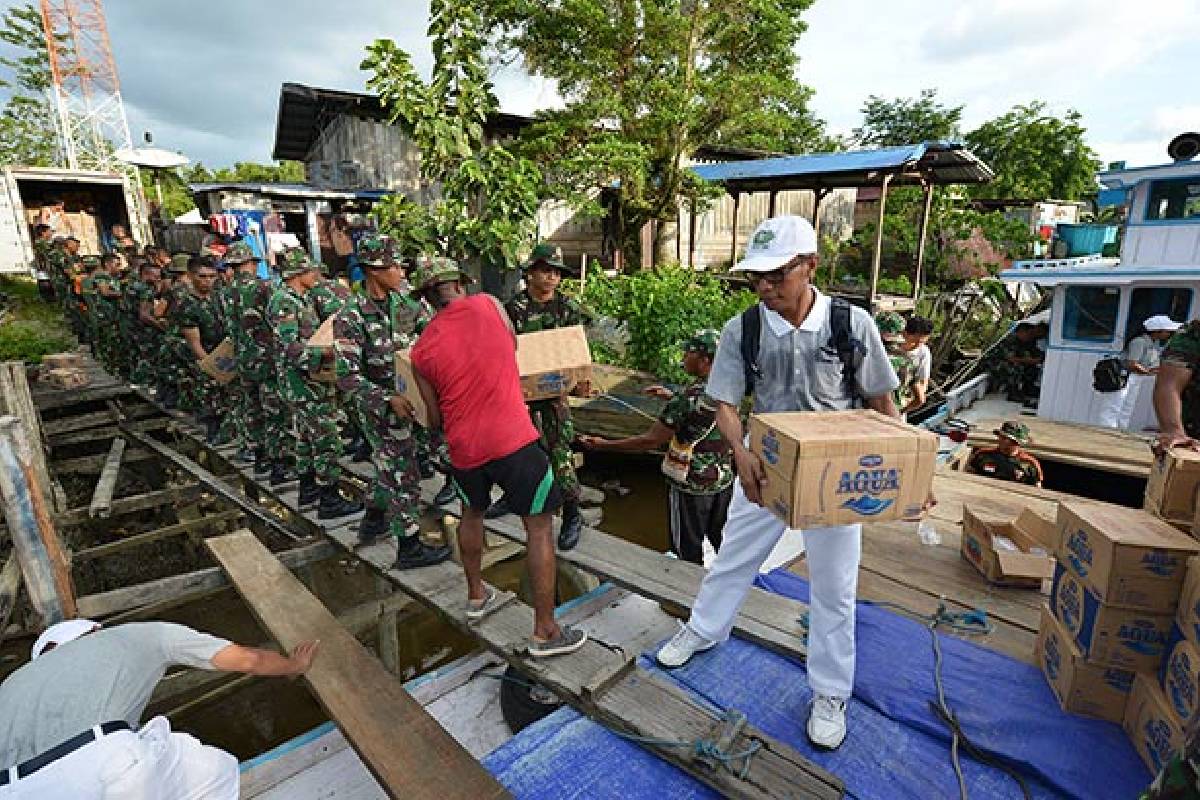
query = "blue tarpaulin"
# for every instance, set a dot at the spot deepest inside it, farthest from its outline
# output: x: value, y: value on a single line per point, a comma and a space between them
x: 897, y: 748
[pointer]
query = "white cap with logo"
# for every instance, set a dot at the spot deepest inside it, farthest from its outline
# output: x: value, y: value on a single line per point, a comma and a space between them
x: 777, y: 241
x: 61, y: 633
x: 1161, y: 322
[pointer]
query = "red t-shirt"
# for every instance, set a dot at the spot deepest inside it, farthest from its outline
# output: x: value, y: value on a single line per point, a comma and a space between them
x: 467, y: 355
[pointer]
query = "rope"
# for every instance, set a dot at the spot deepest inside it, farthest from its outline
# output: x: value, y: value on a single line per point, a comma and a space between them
x: 630, y: 406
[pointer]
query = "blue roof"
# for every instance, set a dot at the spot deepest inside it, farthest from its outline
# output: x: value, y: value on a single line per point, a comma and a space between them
x: 302, y: 190
x: 937, y: 162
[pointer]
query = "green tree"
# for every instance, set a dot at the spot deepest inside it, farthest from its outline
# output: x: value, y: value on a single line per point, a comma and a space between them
x: 27, y: 131
x: 1036, y: 155
x: 489, y: 194
x: 906, y: 120
x: 646, y: 83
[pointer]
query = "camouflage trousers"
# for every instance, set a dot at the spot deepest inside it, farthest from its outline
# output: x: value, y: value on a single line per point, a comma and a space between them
x: 246, y: 412
x: 432, y: 452
x: 108, y: 346
x: 318, y: 440
x: 397, y: 485
x: 277, y: 441
x: 1014, y: 378
x: 552, y: 418
x: 144, y: 355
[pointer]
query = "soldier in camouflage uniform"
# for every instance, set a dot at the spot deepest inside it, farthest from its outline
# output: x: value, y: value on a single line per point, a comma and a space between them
x: 1015, y: 365
x: 541, y: 306
x: 174, y: 354
x: 143, y: 326
x: 891, y: 330
x: 367, y: 334
x: 201, y: 329
x: 1008, y: 460
x: 1179, y: 778
x: 105, y: 314
x: 699, y: 462
x: 318, y: 444
x: 73, y: 273
x: 1177, y: 390
x: 244, y: 321
x: 44, y: 258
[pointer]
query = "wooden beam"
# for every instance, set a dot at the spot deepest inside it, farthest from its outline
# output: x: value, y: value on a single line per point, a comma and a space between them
x: 90, y: 465
x: 103, y: 604
x: 406, y: 750
x: 187, y: 526
x: 46, y: 401
x: 15, y: 399
x: 737, y: 201
x: 108, y: 432
x: 10, y: 587
x: 922, y: 238
x: 101, y: 503
x: 175, y: 495
x: 43, y: 563
x: 96, y: 419
x: 877, y: 256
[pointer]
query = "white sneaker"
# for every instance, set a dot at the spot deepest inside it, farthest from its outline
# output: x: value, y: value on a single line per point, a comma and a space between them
x: 682, y: 647
x: 827, y: 722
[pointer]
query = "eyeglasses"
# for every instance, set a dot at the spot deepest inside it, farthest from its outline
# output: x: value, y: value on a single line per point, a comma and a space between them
x: 775, y: 276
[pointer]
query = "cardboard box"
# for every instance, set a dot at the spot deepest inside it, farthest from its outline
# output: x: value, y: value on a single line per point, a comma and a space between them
x: 220, y: 364
x: 322, y: 340
x: 551, y: 363
x: 1171, y: 487
x: 1108, y: 636
x: 841, y: 467
x: 1127, y: 557
x: 406, y: 384
x: 985, y: 545
x: 1179, y: 678
x: 1081, y: 688
x: 1149, y: 725
x: 1187, y: 615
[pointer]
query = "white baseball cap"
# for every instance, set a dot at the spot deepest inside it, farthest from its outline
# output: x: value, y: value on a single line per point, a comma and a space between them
x: 777, y: 241
x: 61, y: 633
x: 1161, y: 322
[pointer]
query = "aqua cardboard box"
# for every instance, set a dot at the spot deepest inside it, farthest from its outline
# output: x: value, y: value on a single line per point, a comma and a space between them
x: 1187, y: 615
x: 1126, y: 557
x: 406, y: 384
x: 1080, y: 687
x: 1149, y: 725
x: 1171, y: 486
x: 842, y: 467
x: 1180, y: 677
x: 553, y: 362
x: 1108, y: 636
x: 1018, y: 553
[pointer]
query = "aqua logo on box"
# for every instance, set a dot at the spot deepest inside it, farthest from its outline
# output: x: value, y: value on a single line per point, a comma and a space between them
x: 770, y: 448
x: 974, y: 550
x: 1079, y: 552
x: 1156, y: 736
x: 555, y: 382
x: 1119, y: 679
x: 867, y: 484
x: 1068, y: 602
x: 1051, y: 657
x: 1143, y: 637
x: 1160, y: 562
x: 1180, y: 683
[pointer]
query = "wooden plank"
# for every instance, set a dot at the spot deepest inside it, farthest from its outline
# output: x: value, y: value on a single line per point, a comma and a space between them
x: 10, y: 587
x: 404, y: 748
x: 90, y: 465
x: 16, y: 400
x: 1088, y: 446
x: 640, y: 703
x: 187, y: 526
x: 57, y: 398
x: 97, y: 419
x: 108, y: 432
x: 174, y: 495
x: 103, y: 604
x: 102, y: 495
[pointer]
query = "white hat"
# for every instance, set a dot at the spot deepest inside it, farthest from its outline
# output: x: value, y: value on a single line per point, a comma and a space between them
x: 1040, y: 318
x: 61, y: 633
x: 777, y: 241
x: 1161, y: 322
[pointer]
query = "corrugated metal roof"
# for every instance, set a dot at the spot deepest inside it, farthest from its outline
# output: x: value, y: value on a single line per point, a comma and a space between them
x: 938, y: 162
x: 289, y: 190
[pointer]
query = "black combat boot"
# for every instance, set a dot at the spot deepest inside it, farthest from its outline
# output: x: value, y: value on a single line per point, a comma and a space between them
x: 212, y: 430
x: 245, y: 457
x: 262, y: 465
x: 374, y: 525
x: 310, y: 492
x: 333, y: 505
x: 281, y: 473
x: 496, y: 510
x: 412, y: 553
x: 572, y: 526
x: 362, y: 453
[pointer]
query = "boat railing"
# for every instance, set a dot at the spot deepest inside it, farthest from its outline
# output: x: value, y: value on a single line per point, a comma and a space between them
x: 1064, y: 263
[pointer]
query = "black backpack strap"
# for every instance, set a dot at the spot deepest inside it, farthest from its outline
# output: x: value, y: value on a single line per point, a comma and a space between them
x: 842, y: 341
x: 751, y: 333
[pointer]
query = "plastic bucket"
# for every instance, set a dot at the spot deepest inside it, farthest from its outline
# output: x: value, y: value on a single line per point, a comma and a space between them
x: 1086, y: 240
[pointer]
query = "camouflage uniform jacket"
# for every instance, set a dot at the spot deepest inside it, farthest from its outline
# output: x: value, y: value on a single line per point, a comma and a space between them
x: 692, y: 415
x: 905, y: 370
x: 328, y: 297
x: 106, y: 308
x: 201, y: 313
x: 1183, y: 350
x: 251, y: 332
x: 1021, y: 468
x: 528, y: 315
x: 366, y: 335
x: 293, y: 321
x: 136, y: 292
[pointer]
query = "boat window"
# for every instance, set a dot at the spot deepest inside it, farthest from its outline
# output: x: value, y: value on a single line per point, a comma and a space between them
x: 1178, y: 198
x: 1144, y: 303
x: 1091, y: 313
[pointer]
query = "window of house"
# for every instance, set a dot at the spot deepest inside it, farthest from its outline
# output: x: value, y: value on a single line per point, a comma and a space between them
x: 1091, y: 313
x: 1147, y: 302
x: 1178, y: 198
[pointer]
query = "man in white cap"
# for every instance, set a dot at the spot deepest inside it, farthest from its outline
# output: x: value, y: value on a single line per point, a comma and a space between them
x: 813, y: 354
x: 1142, y: 356
x: 69, y: 719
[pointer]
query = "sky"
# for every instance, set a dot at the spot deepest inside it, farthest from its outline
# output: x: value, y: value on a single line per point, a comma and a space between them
x: 204, y: 78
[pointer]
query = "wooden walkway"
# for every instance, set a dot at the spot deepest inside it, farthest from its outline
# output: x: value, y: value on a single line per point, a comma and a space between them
x: 1087, y: 446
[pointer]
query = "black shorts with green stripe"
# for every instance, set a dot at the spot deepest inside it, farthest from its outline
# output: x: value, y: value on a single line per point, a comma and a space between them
x: 525, y: 477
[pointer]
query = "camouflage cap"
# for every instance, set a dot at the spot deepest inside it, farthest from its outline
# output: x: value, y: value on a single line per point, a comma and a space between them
x: 296, y: 262
x: 179, y: 263
x: 429, y: 271
x: 375, y: 251
x: 547, y: 255
x: 703, y: 341
x: 1017, y: 431
x: 891, y: 325
x: 239, y: 253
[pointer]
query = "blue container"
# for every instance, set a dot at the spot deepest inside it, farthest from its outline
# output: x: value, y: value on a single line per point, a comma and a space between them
x: 1086, y: 240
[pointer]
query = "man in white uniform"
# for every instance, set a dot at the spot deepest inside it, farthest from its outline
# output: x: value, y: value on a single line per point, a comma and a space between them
x: 800, y: 369
x: 70, y: 718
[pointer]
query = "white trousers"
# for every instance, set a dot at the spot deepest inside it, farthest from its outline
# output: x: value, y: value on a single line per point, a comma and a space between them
x: 1134, y: 416
x: 152, y: 764
x: 750, y: 534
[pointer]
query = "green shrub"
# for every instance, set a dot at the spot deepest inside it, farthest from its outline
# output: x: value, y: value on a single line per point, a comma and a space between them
x: 30, y: 327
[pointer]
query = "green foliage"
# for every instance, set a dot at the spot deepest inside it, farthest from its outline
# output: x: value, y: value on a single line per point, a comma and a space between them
x: 661, y: 308
x: 27, y: 133
x: 489, y: 194
x: 30, y: 327
x: 1036, y: 155
x: 648, y: 82
x: 901, y: 121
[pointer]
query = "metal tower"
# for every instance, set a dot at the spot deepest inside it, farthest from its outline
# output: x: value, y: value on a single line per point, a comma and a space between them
x: 87, y: 93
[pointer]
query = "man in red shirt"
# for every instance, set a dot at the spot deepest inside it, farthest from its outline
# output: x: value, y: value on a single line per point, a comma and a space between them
x: 466, y: 366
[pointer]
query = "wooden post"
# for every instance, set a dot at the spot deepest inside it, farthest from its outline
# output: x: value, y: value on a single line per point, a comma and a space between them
x: 16, y: 400
x: 692, y: 237
x: 102, y: 495
x: 737, y: 199
x: 10, y: 585
x: 774, y: 194
x: 43, y: 563
x: 389, y: 635
x: 878, y: 254
x: 582, y: 269
x: 922, y: 236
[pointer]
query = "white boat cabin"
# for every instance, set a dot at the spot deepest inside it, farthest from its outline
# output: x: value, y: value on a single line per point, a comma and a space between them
x: 1100, y: 303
